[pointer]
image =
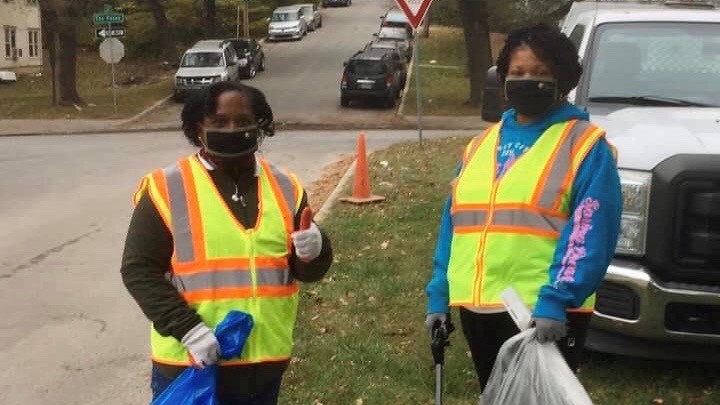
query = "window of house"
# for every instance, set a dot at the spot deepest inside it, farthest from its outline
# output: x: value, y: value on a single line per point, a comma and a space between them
x: 10, y: 41
x: 34, y: 43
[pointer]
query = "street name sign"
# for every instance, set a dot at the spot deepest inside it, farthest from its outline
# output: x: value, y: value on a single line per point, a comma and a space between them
x: 112, y: 32
x: 112, y: 50
x: 108, y: 17
x: 415, y: 10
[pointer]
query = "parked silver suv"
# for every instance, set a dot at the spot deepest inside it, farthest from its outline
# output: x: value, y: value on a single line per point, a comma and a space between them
x: 205, y: 63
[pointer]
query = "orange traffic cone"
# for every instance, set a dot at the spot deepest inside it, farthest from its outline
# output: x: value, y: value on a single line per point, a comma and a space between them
x: 361, y: 189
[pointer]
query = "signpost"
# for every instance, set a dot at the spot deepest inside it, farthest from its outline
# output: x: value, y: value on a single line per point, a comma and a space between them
x: 111, y: 49
x: 415, y: 11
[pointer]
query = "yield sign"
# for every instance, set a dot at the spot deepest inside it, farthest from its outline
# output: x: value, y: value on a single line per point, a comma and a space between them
x: 415, y: 10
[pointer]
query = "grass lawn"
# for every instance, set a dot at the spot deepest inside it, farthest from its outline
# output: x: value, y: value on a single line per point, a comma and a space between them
x: 141, y: 85
x: 360, y: 334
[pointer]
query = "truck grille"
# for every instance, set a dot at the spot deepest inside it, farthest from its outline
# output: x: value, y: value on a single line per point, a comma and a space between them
x: 618, y: 301
x: 683, y: 239
x: 697, y: 228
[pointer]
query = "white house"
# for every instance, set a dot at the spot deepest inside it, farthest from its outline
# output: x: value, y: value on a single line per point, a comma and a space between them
x: 20, y: 36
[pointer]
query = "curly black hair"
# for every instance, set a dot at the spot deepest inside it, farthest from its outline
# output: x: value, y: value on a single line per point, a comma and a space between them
x: 204, y: 104
x: 549, y: 45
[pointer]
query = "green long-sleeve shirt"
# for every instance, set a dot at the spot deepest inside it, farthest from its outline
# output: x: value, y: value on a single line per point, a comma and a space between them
x: 146, y: 259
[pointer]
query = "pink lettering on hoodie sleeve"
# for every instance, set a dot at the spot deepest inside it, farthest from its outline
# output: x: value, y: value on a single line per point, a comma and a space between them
x: 582, y: 224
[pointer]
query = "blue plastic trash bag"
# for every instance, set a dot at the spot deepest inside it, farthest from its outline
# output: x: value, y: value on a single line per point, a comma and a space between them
x: 197, y: 387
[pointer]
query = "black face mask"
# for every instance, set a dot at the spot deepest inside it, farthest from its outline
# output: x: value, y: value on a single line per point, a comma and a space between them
x: 531, y: 97
x: 231, y: 144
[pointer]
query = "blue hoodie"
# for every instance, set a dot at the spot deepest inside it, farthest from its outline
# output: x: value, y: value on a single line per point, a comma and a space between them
x: 587, y: 243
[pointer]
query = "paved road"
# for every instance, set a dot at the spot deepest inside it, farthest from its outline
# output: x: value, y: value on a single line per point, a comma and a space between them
x: 70, y: 333
x: 302, y: 80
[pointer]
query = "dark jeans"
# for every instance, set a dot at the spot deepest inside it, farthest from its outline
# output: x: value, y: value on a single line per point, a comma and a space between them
x: 486, y: 333
x: 269, y: 396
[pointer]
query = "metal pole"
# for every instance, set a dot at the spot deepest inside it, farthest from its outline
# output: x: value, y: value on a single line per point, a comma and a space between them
x: 112, y: 57
x: 416, y: 59
x: 237, y: 33
x: 438, y: 384
x: 246, y: 17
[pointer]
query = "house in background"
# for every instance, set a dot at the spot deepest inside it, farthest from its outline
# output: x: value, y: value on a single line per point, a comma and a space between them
x: 20, y: 36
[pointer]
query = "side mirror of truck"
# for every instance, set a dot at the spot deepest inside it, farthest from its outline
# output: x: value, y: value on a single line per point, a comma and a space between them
x: 493, y: 103
x: 267, y: 20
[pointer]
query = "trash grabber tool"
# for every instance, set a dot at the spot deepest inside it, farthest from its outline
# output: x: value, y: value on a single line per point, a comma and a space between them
x: 440, y: 333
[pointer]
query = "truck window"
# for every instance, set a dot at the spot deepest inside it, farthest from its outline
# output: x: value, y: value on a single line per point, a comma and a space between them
x: 672, y: 60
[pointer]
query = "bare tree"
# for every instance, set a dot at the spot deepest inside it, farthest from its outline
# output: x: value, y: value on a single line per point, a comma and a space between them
x: 210, y: 18
x: 60, y: 19
x: 474, y: 16
x: 162, y: 27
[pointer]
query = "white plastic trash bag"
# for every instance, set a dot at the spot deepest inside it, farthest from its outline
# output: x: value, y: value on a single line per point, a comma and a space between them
x: 528, y: 372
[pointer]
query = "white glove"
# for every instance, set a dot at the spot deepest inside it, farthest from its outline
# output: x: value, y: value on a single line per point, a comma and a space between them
x: 308, y: 243
x: 202, y: 345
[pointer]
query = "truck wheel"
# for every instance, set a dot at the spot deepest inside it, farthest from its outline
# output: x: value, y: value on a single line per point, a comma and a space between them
x: 344, y: 101
x: 262, y: 64
x: 252, y: 72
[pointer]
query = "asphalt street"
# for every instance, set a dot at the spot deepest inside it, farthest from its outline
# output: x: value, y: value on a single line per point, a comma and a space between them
x: 70, y: 333
x: 302, y: 79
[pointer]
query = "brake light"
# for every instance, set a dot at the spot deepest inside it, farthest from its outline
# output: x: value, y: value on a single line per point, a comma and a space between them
x: 343, y: 81
x: 389, y: 79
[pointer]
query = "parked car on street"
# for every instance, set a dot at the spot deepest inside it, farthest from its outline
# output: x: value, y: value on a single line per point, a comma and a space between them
x: 392, y: 49
x: 371, y: 74
x: 397, y: 34
x: 251, y: 54
x: 652, y: 81
x: 312, y: 16
x: 287, y: 23
x: 389, y: 45
x: 396, y: 18
x: 331, y: 3
x: 207, y: 62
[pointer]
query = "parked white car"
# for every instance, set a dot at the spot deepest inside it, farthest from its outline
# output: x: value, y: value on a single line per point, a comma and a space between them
x: 287, y: 23
x: 312, y: 16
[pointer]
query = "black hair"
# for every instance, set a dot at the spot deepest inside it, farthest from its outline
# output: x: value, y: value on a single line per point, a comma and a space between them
x: 549, y: 45
x: 203, y: 104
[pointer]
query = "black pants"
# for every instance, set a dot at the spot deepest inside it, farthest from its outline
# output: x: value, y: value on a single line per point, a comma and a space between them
x: 485, y: 333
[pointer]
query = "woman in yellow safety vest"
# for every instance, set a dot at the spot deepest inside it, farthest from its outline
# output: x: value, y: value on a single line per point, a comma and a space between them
x: 219, y: 230
x: 536, y: 206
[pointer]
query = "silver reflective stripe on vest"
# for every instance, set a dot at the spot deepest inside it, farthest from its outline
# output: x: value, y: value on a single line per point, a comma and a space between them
x: 561, y: 165
x: 286, y: 186
x: 527, y: 219
x: 469, y: 218
x: 231, y: 279
x: 180, y: 214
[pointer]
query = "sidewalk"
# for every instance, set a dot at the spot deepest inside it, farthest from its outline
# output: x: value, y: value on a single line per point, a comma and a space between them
x: 74, y: 126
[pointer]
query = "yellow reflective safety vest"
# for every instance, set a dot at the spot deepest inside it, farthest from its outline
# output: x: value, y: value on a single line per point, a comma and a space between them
x: 218, y: 265
x: 505, y: 231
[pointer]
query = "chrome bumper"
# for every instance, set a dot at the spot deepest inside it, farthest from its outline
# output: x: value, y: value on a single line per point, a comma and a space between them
x: 607, y: 332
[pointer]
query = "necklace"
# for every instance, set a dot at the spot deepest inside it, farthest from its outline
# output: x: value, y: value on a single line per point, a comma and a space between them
x: 237, y: 197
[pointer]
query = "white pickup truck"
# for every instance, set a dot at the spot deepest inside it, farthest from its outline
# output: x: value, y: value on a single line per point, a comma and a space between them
x: 652, y: 81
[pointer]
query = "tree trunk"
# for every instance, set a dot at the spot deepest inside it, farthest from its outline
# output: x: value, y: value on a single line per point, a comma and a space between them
x: 60, y: 19
x: 210, y: 13
x: 474, y: 16
x: 162, y: 27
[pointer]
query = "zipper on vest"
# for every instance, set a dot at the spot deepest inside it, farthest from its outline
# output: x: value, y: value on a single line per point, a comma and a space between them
x: 253, y: 266
x: 483, y: 241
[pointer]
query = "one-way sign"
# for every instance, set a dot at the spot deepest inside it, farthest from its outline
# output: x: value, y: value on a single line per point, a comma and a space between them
x: 113, y: 32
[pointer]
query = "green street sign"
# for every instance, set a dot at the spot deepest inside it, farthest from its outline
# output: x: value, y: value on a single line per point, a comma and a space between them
x: 108, y: 18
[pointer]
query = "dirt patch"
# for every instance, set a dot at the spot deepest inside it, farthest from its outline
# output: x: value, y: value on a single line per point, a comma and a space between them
x: 320, y: 190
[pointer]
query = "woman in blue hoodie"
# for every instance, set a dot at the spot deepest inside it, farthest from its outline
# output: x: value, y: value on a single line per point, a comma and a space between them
x: 536, y: 206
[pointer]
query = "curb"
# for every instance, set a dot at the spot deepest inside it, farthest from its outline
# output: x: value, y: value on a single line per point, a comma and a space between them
x: 335, y: 195
x: 144, y: 112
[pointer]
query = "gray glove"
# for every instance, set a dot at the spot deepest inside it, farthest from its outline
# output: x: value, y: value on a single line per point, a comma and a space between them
x: 549, y: 330
x: 202, y: 345
x: 431, y: 319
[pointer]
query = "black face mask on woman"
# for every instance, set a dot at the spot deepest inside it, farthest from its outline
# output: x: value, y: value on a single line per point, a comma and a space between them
x: 531, y: 97
x: 231, y: 144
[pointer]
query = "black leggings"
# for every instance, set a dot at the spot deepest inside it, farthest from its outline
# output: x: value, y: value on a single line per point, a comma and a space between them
x: 485, y: 333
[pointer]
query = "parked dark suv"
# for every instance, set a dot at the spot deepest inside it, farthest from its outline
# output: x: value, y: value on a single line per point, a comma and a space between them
x: 251, y: 56
x: 371, y: 74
